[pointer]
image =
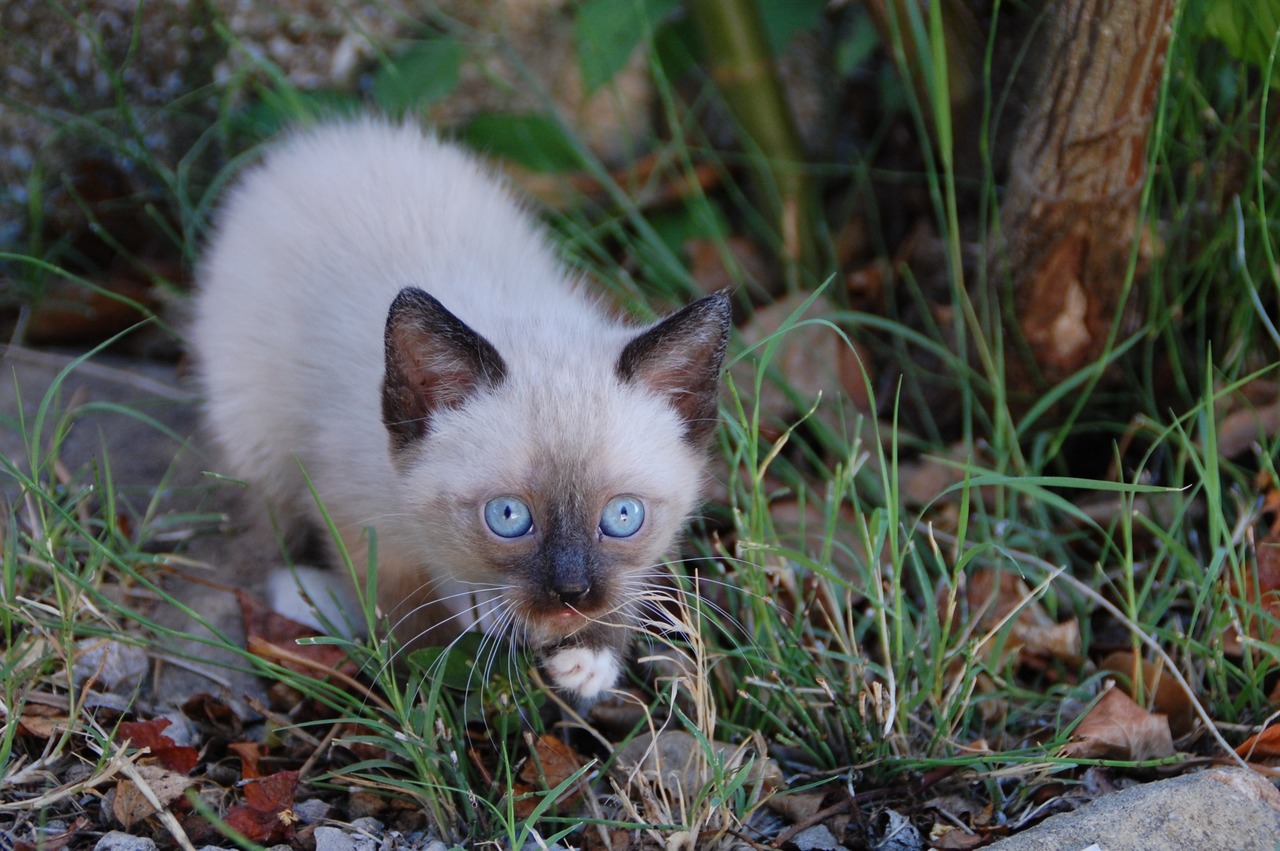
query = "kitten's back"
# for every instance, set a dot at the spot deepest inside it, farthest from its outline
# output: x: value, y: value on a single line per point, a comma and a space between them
x: 309, y: 250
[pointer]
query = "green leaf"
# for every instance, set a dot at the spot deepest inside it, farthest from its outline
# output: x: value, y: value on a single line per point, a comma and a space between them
x: 455, y: 665
x: 278, y: 107
x: 782, y: 19
x: 1246, y: 27
x: 421, y: 75
x: 535, y: 141
x: 606, y: 33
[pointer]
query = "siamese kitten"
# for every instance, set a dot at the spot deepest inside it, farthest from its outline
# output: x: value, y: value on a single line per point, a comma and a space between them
x: 374, y: 308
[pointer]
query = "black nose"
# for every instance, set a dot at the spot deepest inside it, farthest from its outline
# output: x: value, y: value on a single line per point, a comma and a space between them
x: 571, y: 594
x: 569, y: 575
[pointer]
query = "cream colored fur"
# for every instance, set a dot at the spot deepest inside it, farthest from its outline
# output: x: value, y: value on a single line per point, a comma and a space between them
x: 309, y: 250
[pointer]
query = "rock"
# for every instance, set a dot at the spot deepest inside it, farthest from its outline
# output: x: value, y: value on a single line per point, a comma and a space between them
x: 333, y: 839
x: 117, y: 841
x: 1222, y: 809
x: 311, y: 811
x: 816, y: 838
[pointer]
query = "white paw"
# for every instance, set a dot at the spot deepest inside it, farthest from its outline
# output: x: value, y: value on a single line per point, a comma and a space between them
x: 585, y: 672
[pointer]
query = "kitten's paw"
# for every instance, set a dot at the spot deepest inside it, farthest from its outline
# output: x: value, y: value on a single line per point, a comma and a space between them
x: 582, y: 671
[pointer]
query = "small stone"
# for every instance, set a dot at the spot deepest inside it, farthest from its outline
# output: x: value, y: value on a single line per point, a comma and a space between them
x: 119, y: 841
x: 311, y: 811
x: 333, y: 839
x: 816, y: 838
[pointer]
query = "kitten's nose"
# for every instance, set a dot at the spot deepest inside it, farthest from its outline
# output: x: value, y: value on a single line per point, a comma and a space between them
x: 570, y: 594
x: 569, y: 575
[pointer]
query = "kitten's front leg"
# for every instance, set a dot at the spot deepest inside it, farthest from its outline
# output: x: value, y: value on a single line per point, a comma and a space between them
x: 584, y: 671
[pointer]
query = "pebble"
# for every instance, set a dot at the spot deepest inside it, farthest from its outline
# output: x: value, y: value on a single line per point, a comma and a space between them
x: 119, y: 841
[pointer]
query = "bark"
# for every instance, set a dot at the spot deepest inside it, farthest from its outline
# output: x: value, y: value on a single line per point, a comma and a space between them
x: 1070, y: 214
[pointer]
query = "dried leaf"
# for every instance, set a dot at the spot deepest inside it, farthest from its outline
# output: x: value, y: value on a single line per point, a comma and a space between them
x: 1118, y: 728
x: 216, y: 713
x: 42, y: 721
x: 249, y: 753
x: 551, y: 763
x: 266, y: 814
x: 131, y: 806
x: 1000, y: 596
x: 812, y: 359
x: 1261, y: 589
x: 266, y: 629
x: 1262, y: 747
x: 797, y: 808
x: 945, y: 836
x: 679, y: 763
x: 150, y: 735
x: 1163, y: 693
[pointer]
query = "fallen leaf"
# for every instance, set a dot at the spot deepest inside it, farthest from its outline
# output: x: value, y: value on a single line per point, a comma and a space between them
x: 249, y: 753
x: 265, y: 629
x: 946, y: 836
x: 797, y: 807
x: 1262, y: 747
x: 266, y: 814
x: 1000, y: 596
x: 811, y: 359
x: 1118, y: 728
x: 600, y: 838
x: 551, y: 763
x: 42, y: 721
x: 680, y: 764
x: 131, y: 806
x: 1162, y: 691
x: 216, y: 713
x: 1262, y: 589
x: 113, y: 665
x: 150, y: 735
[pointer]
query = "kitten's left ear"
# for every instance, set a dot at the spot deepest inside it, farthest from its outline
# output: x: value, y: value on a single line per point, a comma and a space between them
x: 681, y: 358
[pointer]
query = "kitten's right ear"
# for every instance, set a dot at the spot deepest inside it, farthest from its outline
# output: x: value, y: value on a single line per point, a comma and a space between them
x: 434, y: 362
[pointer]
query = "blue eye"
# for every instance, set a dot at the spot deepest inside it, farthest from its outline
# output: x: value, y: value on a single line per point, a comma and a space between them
x: 622, y: 517
x: 508, y: 517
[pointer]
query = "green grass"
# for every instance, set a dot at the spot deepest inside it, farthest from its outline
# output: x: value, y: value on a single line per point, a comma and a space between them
x: 848, y: 643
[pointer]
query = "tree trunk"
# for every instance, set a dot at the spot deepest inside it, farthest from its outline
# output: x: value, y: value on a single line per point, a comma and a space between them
x: 1070, y: 214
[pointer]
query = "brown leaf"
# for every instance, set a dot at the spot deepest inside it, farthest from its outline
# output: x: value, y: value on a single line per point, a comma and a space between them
x: 1262, y: 589
x: 150, y: 735
x: 999, y: 596
x: 1118, y: 728
x: 131, y: 806
x: 266, y: 814
x: 42, y: 721
x: 207, y: 709
x: 709, y: 270
x: 1163, y: 692
x: 945, y: 836
x: 812, y: 359
x: 797, y: 807
x: 265, y: 629
x: 551, y: 763
x: 1262, y: 747
x: 249, y: 753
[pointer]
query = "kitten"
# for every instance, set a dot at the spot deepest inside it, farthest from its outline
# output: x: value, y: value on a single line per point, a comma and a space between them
x: 375, y: 308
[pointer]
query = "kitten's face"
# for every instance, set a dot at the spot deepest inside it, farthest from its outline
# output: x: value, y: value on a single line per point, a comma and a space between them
x: 554, y: 491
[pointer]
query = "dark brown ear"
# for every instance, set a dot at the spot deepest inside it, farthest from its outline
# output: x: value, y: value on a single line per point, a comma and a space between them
x: 681, y: 358
x: 434, y: 361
